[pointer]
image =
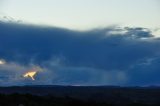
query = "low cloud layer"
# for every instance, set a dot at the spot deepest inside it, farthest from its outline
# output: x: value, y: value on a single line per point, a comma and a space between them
x: 108, y: 56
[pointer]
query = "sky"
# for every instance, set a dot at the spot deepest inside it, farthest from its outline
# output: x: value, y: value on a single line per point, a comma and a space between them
x: 80, y: 42
x: 84, y: 14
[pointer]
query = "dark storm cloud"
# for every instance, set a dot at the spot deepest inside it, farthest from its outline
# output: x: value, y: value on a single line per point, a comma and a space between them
x: 114, y: 56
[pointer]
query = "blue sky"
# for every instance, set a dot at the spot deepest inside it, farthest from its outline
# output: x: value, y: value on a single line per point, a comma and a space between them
x: 121, y: 46
x: 84, y: 14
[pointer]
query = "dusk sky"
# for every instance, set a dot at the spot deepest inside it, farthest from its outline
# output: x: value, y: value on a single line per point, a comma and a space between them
x: 82, y: 14
x: 80, y: 42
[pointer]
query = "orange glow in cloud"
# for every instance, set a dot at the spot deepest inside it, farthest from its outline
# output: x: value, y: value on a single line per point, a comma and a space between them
x: 30, y: 74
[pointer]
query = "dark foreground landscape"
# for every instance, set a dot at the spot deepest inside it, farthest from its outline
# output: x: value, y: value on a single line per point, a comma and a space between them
x: 79, y: 96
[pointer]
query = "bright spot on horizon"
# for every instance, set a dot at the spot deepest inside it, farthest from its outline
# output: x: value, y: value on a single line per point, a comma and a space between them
x: 2, y: 62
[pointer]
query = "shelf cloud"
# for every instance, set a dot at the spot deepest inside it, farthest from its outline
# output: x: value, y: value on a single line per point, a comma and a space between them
x: 103, y: 56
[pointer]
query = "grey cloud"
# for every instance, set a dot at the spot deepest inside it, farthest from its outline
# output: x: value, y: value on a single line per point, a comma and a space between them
x: 110, y: 56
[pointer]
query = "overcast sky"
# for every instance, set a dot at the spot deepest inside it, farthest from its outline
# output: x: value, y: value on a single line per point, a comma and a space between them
x: 114, y: 55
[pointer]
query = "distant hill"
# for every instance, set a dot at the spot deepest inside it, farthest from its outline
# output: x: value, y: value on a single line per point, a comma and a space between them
x: 98, y: 94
